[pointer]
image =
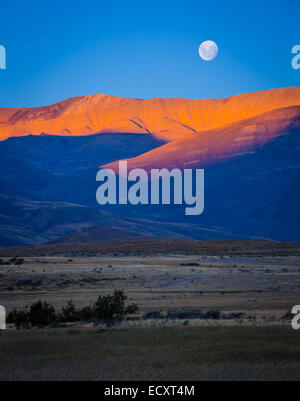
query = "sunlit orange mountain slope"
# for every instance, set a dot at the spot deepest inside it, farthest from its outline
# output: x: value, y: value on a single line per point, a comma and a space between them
x: 167, y: 119
x: 218, y: 145
x: 249, y: 146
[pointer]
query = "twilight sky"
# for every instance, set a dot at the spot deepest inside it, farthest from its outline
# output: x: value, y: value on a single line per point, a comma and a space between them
x: 144, y: 49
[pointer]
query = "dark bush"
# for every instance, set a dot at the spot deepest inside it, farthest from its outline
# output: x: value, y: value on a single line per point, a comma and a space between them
x: 41, y: 314
x: 238, y: 315
x: 288, y: 316
x: 194, y: 314
x: 87, y: 313
x: 188, y: 314
x: 107, y: 308
x: 133, y: 308
x: 112, y: 307
x: 153, y: 315
x: 17, y: 261
x: 29, y: 283
x: 70, y: 313
x: 213, y: 314
x: 19, y: 318
x: 10, y: 319
x: 22, y: 320
x: 191, y: 264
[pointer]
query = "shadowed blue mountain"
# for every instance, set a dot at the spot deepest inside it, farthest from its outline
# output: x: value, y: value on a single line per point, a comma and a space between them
x: 48, y: 191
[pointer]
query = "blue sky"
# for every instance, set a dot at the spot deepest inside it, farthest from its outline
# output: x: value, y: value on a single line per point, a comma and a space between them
x: 144, y: 49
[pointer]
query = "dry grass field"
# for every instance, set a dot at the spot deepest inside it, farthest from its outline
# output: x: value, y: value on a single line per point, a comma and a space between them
x: 260, y: 279
x: 264, y: 286
x: 155, y: 246
x: 208, y: 353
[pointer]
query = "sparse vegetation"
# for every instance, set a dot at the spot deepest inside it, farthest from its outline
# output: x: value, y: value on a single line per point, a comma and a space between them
x: 190, y: 264
x: 153, y: 315
x: 12, y: 261
x: 213, y: 314
x: 77, y: 344
x: 194, y: 314
x: 162, y: 246
x: 108, y: 309
x: 29, y: 283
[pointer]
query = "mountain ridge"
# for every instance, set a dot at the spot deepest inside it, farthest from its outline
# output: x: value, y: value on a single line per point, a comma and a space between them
x: 248, y: 144
x: 219, y: 144
x: 166, y: 119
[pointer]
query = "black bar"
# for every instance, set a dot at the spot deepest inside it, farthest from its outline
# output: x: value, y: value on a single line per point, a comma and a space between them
x: 152, y: 390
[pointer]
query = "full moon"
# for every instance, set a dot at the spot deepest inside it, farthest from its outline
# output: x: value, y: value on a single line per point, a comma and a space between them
x: 208, y: 50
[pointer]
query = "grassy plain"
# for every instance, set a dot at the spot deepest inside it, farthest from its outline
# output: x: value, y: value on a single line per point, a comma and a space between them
x: 207, y: 353
x: 257, y: 278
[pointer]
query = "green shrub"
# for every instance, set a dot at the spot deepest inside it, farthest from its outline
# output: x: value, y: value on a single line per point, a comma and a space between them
x: 112, y: 307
